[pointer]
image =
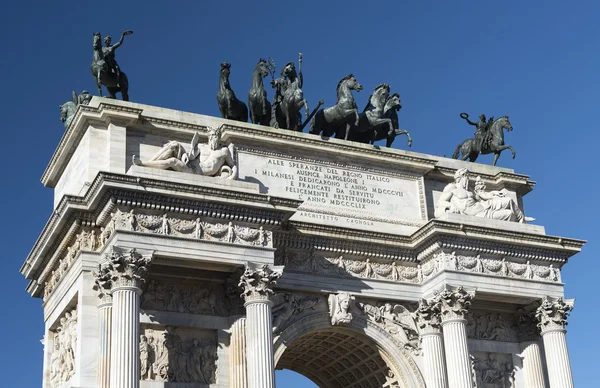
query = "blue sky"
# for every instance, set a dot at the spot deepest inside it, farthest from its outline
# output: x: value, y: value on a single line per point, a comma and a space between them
x: 538, y: 62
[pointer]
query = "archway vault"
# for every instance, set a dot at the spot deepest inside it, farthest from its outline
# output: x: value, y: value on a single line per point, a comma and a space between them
x: 357, y: 355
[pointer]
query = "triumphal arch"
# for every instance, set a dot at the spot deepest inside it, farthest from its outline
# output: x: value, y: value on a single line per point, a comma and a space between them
x: 191, y: 251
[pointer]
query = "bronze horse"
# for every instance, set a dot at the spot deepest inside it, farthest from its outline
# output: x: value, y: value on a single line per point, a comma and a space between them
x: 102, y: 72
x: 493, y: 142
x: 260, y: 107
x: 335, y: 119
x: 229, y: 105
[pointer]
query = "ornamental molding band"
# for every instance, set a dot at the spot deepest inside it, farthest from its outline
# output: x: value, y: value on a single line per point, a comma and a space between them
x: 454, y: 303
x: 125, y: 269
x: 552, y: 313
x: 64, y: 346
x: 178, y: 355
x: 257, y: 283
x: 196, y: 228
x: 201, y: 159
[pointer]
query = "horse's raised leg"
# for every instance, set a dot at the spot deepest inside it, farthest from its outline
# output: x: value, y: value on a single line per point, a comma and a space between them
x: 498, y: 149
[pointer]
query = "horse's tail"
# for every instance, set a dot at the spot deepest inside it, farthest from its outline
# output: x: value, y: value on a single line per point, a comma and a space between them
x: 319, y: 116
x: 457, y: 151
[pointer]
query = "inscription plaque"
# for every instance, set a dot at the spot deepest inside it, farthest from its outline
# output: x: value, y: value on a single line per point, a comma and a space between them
x: 340, y: 194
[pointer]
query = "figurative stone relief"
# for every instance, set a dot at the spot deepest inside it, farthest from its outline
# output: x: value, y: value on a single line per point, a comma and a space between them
x: 339, y: 266
x: 202, y: 159
x: 489, y: 266
x: 491, y: 326
x: 287, y: 305
x: 62, y: 359
x: 340, y: 308
x: 178, y: 355
x: 396, y: 320
x: 191, y: 228
x: 193, y: 298
x: 459, y: 198
x: 489, y: 138
x: 492, y: 370
x: 87, y: 240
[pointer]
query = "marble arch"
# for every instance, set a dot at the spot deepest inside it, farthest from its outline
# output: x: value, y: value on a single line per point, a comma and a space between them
x: 194, y: 251
x: 370, y: 357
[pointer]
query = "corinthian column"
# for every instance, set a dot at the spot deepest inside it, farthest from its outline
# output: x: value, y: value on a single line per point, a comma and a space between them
x: 528, y: 334
x: 127, y: 272
x: 552, y: 319
x: 257, y: 285
x: 103, y: 285
x: 238, y: 370
x: 428, y: 321
x: 454, y: 305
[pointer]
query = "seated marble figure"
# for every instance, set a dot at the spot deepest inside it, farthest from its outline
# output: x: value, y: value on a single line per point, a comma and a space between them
x: 203, y: 159
x: 458, y: 198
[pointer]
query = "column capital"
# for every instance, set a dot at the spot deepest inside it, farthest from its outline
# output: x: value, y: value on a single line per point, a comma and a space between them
x: 454, y: 303
x: 428, y: 316
x: 257, y: 283
x: 552, y: 314
x: 123, y: 270
x: 103, y: 284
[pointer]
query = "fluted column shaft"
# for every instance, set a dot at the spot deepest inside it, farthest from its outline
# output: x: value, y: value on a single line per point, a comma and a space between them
x: 557, y: 359
x: 457, y: 353
x: 533, y: 372
x: 238, y: 377
x: 104, y: 339
x: 125, y: 348
x: 259, y: 336
x: 435, y: 365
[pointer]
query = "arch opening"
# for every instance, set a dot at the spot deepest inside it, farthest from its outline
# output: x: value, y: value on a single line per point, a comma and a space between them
x: 338, y: 358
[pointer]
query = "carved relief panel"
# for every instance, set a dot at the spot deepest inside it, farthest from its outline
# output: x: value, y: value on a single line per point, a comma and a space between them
x: 64, y: 340
x: 492, y: 370
x: 181, y: 355
x: 490, y: 325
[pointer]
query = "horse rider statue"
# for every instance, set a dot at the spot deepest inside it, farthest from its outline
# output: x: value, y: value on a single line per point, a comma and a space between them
x: 109, y: 54
x: 481, y: 128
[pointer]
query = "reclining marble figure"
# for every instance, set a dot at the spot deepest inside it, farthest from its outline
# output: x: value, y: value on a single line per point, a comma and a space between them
x: 203, y: 159
x: 457, y: 198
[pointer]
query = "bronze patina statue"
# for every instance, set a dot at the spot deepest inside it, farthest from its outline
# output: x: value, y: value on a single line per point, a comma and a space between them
x: 489, y: 138
x: 68, y: 109
x: 258, y: 103
x: 105, y: 69
x: 229, y: 105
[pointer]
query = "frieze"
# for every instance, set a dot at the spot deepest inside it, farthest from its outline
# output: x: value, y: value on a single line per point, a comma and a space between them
x: 491, y: 326
x: 92, y: 240
x: 178, y: 355
x: 492, y: 370
x: 62, y: 358
x: 339, y: 266
x: 190, y: 228
x: 192, y: 298
x: 489, y: 266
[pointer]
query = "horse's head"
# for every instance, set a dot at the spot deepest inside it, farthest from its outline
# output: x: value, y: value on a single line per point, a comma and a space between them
x: 288, y: 69
x: 67, y: 110
x: 97, y: 41
x: 353, y: 84
x: 380, y: 95
x: 225, y: 69
x: 263, y: 67
x: 504, y: 123
x: 393, y: 102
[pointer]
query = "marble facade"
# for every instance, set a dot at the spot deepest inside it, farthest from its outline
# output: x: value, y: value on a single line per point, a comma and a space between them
x: 351, y: 265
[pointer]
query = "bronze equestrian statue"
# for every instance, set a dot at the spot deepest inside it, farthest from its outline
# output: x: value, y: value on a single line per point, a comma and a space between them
x: 105, y: 69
